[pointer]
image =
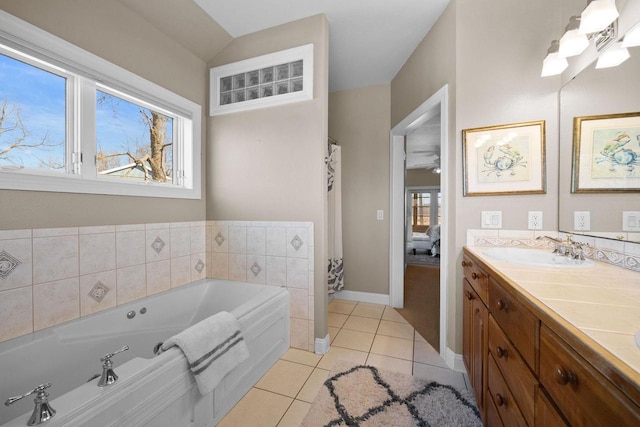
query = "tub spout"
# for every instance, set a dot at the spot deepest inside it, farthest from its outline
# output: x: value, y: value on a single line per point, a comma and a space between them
x: 43, y: 411
x: 109, y: 376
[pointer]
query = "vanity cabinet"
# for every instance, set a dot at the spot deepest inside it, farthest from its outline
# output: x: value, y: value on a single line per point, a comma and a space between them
x: 526, y: 368
x: 475, y: 328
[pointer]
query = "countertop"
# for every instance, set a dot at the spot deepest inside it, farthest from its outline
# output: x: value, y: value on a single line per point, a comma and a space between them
x: 600, y: 305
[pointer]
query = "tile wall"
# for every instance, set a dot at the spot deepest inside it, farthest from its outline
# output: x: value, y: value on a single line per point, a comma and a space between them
x: 272, y: 253
x: 616, y: 252
x: 50, y: 276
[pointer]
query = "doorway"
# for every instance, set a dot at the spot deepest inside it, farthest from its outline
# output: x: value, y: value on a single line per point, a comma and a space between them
x: 435, y: 105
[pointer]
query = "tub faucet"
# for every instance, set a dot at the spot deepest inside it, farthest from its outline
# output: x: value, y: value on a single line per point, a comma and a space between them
x: 109, y: 376
x: 43, y: 411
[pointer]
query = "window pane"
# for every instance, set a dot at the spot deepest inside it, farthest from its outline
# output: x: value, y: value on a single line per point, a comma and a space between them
x: 32, y: 116
x: 133, y: 142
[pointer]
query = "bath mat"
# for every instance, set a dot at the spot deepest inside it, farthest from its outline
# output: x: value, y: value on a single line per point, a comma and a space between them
x: 367, y: 397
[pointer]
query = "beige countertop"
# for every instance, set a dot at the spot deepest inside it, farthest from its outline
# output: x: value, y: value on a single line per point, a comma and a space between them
x: 600, y: 304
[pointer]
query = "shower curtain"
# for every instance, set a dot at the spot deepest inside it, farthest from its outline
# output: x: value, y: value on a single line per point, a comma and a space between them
x: 336, y: 272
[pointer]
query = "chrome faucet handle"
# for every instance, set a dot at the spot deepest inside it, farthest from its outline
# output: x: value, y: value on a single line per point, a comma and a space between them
x: 108, y: 356
x: 109, y: 376
x: 42, y: 411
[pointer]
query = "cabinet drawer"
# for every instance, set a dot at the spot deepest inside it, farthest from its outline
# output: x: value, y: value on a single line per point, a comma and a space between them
x: 492, y: 419
x: 516, y: 374
x: 585, y: 396
x: 546, y: 413
x: 517, y: 322
x: 502, y: 397
x: 476, y: 277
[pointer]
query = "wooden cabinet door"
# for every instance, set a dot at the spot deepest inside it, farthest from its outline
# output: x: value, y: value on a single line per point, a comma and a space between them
x: 474, y: 342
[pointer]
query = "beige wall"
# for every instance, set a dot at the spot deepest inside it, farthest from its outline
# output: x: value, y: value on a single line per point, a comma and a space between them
x: 490, y: 52
x: 359, y: 121
x: 113, y: 32
x: 421, y: 178
x: 268, y: 164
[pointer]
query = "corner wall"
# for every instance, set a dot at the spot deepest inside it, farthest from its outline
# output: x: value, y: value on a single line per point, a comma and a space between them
x: 490, y: 53
x: 268, y: 164
x: 359, y: 119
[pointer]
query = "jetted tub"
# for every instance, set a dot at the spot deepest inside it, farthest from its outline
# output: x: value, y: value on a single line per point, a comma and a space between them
x: 151, y: 390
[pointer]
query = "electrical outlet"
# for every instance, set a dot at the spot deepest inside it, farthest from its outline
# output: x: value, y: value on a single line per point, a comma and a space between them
x: 535, y: 220
x: 582, y: 221
x: 630, y: 221
x: 491, y: 219
x: 380, y: 215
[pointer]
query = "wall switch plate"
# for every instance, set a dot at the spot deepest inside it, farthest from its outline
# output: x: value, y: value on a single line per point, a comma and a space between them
x: 631, y: 221
x: 491, y: 219
x: 582, y: 221
x: 380, y: 215
x: 535, y: 220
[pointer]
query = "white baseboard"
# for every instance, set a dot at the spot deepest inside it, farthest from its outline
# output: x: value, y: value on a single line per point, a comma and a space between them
x: 454, y: 361
x: 363, y: 297
x: 322, y: 345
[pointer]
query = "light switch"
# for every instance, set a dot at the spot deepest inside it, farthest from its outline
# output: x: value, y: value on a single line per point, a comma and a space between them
x: 630, y: 221
x: 491, y: 219
x: 380, y: 215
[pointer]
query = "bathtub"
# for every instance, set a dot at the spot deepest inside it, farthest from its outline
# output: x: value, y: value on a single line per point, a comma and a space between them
x: 151, y: 390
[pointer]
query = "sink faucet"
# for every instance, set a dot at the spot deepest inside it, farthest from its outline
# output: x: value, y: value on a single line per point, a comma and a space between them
x: 568, y: 247
x: 109, y: 376
x: 43, y: 411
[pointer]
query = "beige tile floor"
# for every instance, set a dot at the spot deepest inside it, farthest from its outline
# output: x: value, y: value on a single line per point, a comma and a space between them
x: 371, y: 334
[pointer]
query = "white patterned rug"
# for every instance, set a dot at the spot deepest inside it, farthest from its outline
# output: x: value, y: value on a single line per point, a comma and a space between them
x: 366, y: 396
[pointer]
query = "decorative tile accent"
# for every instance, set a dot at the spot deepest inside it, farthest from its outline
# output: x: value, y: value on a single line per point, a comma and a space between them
x: 297, y: 242
x: 256, y: 269
x: 8, y: 263
x: 99, y: 291
x: 158, y: 245
x: 219, y: 239
x: 199, y: 266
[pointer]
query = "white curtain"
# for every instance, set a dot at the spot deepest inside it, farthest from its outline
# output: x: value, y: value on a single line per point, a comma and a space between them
x: 334, y: 181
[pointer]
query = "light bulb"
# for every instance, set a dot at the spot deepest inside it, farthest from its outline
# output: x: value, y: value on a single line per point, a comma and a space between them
x: 613, y: 56
x: 597, y: 16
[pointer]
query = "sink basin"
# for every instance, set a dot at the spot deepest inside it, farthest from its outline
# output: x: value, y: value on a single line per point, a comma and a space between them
x: 536, y: 258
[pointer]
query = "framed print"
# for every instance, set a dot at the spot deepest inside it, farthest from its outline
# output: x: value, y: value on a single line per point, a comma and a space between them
x: 606, y: 153
x: 504, y: 159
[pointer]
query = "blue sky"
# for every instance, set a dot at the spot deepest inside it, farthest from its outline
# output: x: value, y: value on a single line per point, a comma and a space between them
x: 39, y: 97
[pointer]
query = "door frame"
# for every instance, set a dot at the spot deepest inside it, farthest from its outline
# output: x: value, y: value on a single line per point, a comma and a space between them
x: 436, y: 103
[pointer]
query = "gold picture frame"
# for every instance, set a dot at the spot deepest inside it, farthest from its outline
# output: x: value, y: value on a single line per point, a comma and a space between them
x: 505, y: 159
x: 606, y: 154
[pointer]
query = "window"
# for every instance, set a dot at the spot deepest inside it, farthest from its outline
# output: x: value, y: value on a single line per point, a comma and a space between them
x: 426, y: 209
x: 89, y: 128
x: 267, y: 80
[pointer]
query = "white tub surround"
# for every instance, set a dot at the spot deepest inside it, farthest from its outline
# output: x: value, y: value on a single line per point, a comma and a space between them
x: 272, y: 253
x: 85, y: 270
x: 152, y: 391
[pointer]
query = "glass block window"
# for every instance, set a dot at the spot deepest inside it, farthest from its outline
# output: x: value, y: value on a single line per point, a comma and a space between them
x: 272, y: 79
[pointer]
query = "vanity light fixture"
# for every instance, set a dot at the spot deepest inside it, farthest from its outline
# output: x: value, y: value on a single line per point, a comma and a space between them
x: 573, y: 42
x: 553, y: 64
x: 632, y: 37
x: 598, y: 15
x: 614, y: 56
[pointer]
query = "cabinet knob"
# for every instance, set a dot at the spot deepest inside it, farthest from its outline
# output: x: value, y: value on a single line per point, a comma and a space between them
x: 464, y: 263
x: 500, y: 400
x: 564, y: 377
x: 469, y: 295
x: 474, y: 276
x: 501, y: 304
x: 501, y: 352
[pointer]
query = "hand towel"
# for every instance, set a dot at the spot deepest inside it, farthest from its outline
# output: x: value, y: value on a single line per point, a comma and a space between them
x: 213, y: 348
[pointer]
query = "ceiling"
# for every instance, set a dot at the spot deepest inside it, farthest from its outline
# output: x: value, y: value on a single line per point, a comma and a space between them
x: 423, y: 145
x: 369, y: 40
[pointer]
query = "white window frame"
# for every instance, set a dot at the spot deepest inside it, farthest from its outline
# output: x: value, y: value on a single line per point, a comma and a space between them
x: 88, y: 73
x: 304, y: 53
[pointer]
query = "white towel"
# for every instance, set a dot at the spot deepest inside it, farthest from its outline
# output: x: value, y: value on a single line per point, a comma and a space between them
x: 213, y: 347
